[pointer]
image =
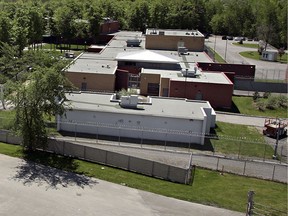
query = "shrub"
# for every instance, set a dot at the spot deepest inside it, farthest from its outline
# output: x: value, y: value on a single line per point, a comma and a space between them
x: 272, y: 102
x: 256, y: 95
x: 283, y: 101
x: 266, y: 94
x: 261, y: 105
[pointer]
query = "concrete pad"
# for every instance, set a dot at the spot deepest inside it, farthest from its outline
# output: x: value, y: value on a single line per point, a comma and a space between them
x: 31, y: 189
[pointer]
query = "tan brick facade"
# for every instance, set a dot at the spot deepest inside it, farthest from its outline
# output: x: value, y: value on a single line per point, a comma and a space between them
x: 93, y: 82
x: 170, y: 42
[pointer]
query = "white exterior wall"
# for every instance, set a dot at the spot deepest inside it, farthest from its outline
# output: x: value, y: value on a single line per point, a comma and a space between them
x: 134, y: 126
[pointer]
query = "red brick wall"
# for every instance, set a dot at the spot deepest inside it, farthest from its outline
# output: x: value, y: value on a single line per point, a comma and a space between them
x: 121, y: 81
x: 219, y: 95
x: 109, y: 27
x: 239, y: 69
x: 130, y: 69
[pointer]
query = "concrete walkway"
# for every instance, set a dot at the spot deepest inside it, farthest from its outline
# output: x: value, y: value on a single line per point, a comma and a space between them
x: 32, y: 189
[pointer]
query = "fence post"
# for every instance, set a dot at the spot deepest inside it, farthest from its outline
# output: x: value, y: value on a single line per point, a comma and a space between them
x: 244, y: 167
x: 273, y: 173
x: 64, y: 143
x: 281, y: 154
x: 75, y: 130
x: 264, y: 152
x: 239, y: 149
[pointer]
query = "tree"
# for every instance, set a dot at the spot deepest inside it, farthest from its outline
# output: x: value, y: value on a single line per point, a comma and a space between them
x: 5, y: 28
x: 281, y: 52
x: 34, y: 100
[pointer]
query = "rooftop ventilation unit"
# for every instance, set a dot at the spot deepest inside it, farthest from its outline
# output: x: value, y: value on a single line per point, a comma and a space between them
x: 182, y: 50
x: 189, y: 73
x: 161, y: 33
x: 153, y: 31
x: 129, y: 101
x: 187, y: 33
x: 133, y: 42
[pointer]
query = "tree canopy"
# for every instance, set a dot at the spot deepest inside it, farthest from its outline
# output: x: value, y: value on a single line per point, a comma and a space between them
x: 23, y: 23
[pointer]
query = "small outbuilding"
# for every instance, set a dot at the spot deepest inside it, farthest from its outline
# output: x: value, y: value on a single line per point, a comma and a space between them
x: 268, y: 55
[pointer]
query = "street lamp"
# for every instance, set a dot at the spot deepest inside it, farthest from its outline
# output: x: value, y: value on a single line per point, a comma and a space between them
x: 226, y: 48
x: 277, y: 138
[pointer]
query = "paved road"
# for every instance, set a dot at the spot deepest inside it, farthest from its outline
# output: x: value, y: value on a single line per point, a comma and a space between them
x: 264, y: 69
x: 32, y: 189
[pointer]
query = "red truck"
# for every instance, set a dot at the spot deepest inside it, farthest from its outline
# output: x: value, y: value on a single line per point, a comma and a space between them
x: 273, y: 126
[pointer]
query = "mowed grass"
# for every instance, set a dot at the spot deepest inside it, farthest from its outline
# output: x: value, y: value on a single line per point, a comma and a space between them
x: 209, y: 187
x: 240, y: 140
x: 255, y: 55
x: 6, y: 119
x: 246, y: 106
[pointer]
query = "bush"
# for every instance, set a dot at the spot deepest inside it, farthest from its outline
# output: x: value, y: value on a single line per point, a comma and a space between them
x: 261, y: 105
x: 256, y: 95
x: 266, y: 94
x: 273, y: 102
x: 283, y: 101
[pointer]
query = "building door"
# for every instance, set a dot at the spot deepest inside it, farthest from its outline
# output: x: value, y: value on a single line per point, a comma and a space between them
x: 153, y: 89
x: 83, y: 86
x: 165, y: 92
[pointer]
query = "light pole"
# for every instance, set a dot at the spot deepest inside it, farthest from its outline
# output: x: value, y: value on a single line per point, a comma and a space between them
x: 226, y: 49
x: 214, y: 49
x: 277, y: 138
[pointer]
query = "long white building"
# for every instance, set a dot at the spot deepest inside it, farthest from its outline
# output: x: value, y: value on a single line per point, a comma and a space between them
x: 154, y: 118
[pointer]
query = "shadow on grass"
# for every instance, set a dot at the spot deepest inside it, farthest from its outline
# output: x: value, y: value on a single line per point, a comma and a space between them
x: 233, y: 109
x: 50, y: 170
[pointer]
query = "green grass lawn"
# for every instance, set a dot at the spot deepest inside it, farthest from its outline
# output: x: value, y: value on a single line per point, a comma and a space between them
x: 255, y: 55
x: 6, y: 119
x: 240, y: 139
x: 218, y: 58
x: 64, y: 46
x: 245, y: 106
x: 209, y: 187
x: 249, y: 45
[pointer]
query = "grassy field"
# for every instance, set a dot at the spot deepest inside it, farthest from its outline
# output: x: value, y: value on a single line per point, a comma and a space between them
x: 240, y: 139
x: 218, y: 58
x: 248, y: 45
x: 65, y: 46
x: 6, y: 119
x: 255, y: 55
x: 245, y: 106
x: 209, y: 187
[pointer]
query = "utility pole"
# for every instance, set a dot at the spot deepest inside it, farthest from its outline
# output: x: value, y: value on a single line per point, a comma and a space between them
x: 2, y: 95
x: 214, y: 49
x: 226, y: 48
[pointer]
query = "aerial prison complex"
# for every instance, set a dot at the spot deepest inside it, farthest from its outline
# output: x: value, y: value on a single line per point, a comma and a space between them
x: 169, y: 67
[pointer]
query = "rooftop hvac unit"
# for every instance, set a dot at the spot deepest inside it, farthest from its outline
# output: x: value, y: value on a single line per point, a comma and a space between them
x: 129, y: 101
x: 189, y: 73
x: 133, y: 42
x: 182, y: 50
x: 161, y: 33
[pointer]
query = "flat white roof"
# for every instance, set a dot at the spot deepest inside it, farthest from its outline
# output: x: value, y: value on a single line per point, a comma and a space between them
x: 161, y: 106
x: 145, y: 56
x: 175, y: 32
x: 91, y: 63
x: 202, y: 77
